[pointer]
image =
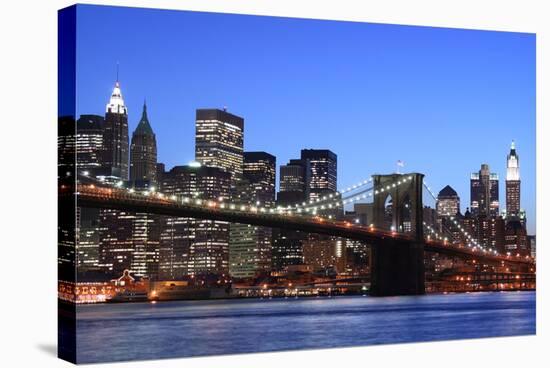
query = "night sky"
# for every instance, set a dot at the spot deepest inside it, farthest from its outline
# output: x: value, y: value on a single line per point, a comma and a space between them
x: 444, y: 101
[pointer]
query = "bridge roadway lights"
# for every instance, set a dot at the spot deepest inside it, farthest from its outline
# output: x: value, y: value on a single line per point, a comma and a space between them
x: 397, y: 269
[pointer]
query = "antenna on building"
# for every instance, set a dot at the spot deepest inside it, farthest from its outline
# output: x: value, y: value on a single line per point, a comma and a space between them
x: 117, y: 67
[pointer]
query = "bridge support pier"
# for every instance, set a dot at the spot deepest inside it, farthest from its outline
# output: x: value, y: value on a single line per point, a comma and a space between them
x: 397, y: 269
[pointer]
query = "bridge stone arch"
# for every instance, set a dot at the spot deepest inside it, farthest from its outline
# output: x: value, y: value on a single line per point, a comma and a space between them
x: 402, y: 191
x: 398, y: 268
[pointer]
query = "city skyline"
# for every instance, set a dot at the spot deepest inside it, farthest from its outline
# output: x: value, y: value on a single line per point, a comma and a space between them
x: 172, y: 115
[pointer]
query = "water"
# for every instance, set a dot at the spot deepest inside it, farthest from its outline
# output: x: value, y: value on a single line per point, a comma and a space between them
x: 115, y: 332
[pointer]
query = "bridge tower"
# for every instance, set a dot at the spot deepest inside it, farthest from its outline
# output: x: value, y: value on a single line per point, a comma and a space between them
x: 397, y: 267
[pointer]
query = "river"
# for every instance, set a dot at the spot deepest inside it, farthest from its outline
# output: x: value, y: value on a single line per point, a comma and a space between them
x: 137, y: 331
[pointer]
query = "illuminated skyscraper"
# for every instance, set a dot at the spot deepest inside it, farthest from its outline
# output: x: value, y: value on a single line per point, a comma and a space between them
x: 250, y: 246
x: 448, y: 202
x: 89, y: 145
x: 190, y: 246
x: 484, y: 192
x: 513, y: 184
x: 115, y: 138
x: 320, y: 172
x: 219, y: 141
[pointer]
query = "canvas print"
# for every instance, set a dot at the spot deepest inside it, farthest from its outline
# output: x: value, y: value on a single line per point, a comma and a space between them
x: 238, y: 184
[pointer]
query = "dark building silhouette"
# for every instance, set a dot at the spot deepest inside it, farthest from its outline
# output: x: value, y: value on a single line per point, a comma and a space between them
x: 515, y: 240
x: 143, y: 153
x: 292, y: 183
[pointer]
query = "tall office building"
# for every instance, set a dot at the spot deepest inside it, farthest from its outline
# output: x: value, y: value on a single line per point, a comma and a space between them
x: 89, y: 145
x: 250, y: 246
x: 89, y: 162
x: 513, y: 184
x: 292, y: 183
x: 143, y: 153
x: 115, y: 138
x: 219, y: 139
x: 320, y: 172
x: 484, y: 192
x: 287, y: 247
x: 448, y: 202
x: 190, y: 246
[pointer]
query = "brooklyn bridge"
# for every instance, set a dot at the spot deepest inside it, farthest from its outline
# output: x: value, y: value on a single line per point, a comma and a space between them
x: 398, y: 242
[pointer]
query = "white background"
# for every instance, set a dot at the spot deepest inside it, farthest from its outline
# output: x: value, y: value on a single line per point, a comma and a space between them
x: 28, y: 108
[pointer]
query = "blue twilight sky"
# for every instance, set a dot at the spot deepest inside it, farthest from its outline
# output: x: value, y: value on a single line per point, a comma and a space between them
x: 442, y: 100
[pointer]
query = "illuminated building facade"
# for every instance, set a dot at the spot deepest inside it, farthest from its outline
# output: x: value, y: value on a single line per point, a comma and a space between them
x: 484, y: 199
x: 250, y: 246
x: 448, y: 202
x: 320, y: 172
x: 115, y: 138
x: 513, y: 184
x: 219, y: 139
x: 89, y: 145
x: 190, y: 246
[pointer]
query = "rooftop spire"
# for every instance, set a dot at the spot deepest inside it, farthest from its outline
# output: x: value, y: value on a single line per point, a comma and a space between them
x: 144, y: 127
x: 116, y: 102
x: 513, y: 145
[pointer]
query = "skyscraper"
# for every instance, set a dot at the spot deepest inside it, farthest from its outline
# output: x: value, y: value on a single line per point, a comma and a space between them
x: 292, y: 183
x: 89, y: 162
x: 484, y: 192
x: 513, y: 184
x: 320, y: 172
x: 143, y: 153
x: 115, y: 138
x: 448, y: 202
x: 191, y: 246
x: 250, y: 246
x: 219, y: 141
x: 89, y: 145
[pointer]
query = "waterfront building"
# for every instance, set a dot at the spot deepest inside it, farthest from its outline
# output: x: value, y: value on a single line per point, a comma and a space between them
x: 516, y: 239
x: 250, y: 246
x: 191, y: 246
x: 89, y: 163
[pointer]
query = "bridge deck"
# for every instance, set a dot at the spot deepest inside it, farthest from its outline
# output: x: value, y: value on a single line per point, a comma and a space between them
x: 122, y: 199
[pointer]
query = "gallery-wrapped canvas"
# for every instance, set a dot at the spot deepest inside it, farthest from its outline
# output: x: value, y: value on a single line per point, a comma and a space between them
x: 236, y: 184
